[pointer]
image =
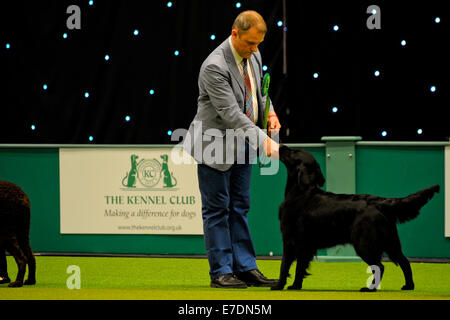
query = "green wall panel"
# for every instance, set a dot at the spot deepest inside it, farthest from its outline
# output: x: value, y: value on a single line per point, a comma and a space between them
x: 391, y: 171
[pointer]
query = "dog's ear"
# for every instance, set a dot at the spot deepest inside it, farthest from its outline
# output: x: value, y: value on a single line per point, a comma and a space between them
x: 319, y: 178
x: 309, y: 178
x: 303, y: 177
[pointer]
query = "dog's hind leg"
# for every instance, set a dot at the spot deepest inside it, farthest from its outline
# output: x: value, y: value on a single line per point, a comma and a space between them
x: 16, y: 252
x: 378, y: 271
x: 373, y: 259
x: 286, y: 262
x: 367, y: 238
x: 24, y: 243
x: 396, y: 255
x: 31, y: 261
x: 406, y: 268
x: 399, y: 258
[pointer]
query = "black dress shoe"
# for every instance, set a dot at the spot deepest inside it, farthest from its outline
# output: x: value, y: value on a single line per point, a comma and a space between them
x: 228, y: 281
x: 256, y: 279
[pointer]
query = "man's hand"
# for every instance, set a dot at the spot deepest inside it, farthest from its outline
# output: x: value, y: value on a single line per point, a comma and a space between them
x: 273, y: 124
x: 271, y: 148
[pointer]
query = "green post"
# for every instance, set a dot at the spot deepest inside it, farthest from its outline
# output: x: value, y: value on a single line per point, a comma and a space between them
x: 341, y: 178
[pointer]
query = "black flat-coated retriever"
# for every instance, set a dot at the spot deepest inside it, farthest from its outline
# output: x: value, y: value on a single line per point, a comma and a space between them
x: 313, y: 219
x: 14, y: 233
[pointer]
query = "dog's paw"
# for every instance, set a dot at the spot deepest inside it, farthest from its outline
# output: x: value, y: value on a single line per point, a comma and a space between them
x: 365, y: 289
x: 408, y: 287
x: 30, y: 282
x: 277, y: 287
x: 16, y: 284
x: 295, y: 287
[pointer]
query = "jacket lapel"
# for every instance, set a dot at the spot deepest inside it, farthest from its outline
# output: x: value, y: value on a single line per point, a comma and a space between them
x: 228, y: 54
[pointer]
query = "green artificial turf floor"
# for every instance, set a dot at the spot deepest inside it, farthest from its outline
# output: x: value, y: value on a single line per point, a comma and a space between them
x: 188, y: 279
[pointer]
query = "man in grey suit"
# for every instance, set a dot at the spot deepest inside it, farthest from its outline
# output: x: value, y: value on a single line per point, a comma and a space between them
x: 224, y: 138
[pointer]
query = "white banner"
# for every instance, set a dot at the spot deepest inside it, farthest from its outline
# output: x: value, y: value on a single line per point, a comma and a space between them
x: 128, y: 191
x: 447, y: 191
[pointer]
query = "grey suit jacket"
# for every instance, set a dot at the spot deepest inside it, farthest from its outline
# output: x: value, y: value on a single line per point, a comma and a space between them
x: 216, y: 135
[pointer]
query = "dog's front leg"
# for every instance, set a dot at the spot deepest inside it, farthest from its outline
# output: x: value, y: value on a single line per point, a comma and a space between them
x: 287, y: 259
x: 298, y: 282
x: 303, y: 261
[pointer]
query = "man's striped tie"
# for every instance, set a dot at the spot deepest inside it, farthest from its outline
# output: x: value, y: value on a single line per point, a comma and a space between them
x: 248, y: 93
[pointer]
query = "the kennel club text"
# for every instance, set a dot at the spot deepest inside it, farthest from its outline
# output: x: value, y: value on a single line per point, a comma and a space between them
x: 151, y: 200
x: 226, y: 309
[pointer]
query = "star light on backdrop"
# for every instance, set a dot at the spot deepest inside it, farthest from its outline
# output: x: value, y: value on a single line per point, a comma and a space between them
x: 170, y: 60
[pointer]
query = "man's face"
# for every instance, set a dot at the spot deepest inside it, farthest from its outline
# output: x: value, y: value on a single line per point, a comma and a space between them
x: 246, y: 42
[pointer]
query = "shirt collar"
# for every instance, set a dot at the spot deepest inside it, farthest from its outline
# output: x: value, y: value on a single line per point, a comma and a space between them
x: 236, y: 55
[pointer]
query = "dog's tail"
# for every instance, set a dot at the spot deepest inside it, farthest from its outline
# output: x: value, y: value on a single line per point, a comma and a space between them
x: 407, y: 208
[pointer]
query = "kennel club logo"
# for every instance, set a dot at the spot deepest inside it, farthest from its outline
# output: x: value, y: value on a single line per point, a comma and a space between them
x: 148, y: 173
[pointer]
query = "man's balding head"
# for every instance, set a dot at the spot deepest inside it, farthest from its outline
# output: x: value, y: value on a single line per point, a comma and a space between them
x: 247, y: 33
x: 247, y: 19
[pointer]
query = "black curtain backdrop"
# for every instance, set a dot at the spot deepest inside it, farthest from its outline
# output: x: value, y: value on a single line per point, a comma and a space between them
x: 34, y: 54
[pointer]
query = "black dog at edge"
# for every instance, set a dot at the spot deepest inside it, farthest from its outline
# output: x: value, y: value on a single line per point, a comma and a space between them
x: 313, y: 219
x: 14, y: 233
